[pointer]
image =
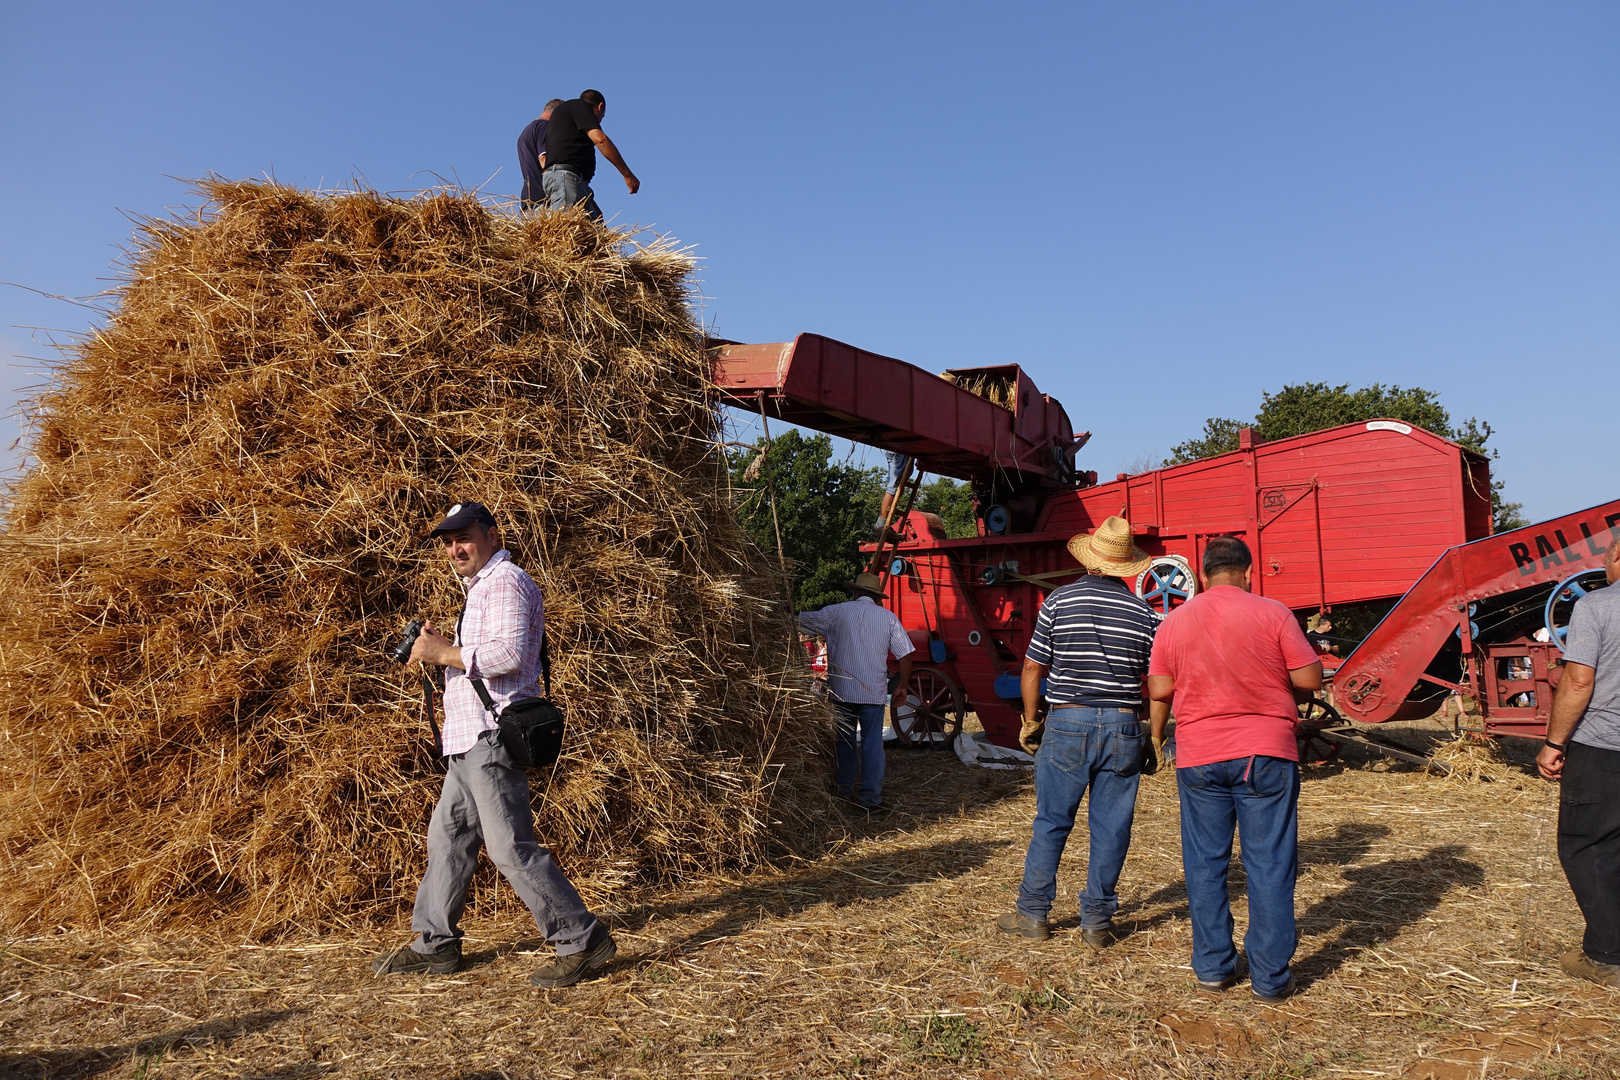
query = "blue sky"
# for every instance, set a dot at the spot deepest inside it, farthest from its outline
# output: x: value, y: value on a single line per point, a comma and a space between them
x: 1159, y: 209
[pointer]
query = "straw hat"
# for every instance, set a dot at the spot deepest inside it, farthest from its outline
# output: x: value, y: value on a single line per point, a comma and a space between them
x: 1109, y: 550
x: 866, y: 583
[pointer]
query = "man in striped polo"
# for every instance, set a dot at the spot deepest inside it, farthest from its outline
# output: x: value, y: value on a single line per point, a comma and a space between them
x: 1091, y: 644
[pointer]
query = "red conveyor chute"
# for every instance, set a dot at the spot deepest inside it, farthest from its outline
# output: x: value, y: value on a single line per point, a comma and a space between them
x: 828, y: 386
x: 1376, y: 681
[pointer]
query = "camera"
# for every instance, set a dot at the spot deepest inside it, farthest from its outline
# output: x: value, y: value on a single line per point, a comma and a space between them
x: 402, y: 652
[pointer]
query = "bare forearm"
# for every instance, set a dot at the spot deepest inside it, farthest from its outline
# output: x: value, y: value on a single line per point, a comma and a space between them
x: 1569, y: 705
x: 611, y: 152
x: 1030, y: 684
x: 1158, y: 718
x: 444, y: 655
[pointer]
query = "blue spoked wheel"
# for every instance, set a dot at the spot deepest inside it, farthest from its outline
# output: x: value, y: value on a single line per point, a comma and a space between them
x: 1561, y: 601
x: 1166, y: 584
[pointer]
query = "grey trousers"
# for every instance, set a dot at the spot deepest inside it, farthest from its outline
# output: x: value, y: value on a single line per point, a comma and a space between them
x: 485, y: 801
x: 565, y: 188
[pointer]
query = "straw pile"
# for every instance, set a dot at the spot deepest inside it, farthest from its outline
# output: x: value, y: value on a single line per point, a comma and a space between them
x: 224, y: 526
x: 996, y: 391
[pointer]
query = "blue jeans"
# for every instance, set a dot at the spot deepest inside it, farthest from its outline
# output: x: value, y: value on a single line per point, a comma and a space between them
x: 1083, y: 747
x: 868, y: 752
x: 565, y: 188
x: 897, y: 465
x: 1260, y: 796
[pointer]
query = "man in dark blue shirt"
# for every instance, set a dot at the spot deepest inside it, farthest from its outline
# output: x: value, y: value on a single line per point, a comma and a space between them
x: 532, y: 157
x: 1093, y: 638
x: 573, y: 137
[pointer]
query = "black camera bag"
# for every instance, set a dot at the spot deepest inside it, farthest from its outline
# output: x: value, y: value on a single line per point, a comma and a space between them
x: 531, y: 728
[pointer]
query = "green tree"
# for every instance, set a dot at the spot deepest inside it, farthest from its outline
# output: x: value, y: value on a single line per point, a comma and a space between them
x: 825, y: 511
x: 953, y: 502
x: 1296, y: 410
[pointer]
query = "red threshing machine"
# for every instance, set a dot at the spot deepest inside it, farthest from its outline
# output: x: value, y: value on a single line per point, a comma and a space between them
x: 1350, y: 515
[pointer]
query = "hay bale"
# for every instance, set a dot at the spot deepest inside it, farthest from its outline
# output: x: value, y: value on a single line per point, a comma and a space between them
x: 225, y: 523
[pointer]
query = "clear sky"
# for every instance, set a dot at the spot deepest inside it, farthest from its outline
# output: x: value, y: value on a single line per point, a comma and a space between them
x: 1159, y: 209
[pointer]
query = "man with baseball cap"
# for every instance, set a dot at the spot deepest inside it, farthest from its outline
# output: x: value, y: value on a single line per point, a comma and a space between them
x: 485, y: 799
x: 1091, y: 645
x: 861, y: 635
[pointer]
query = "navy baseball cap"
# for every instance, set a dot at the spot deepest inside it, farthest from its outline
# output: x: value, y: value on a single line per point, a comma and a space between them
x: 462, y: 515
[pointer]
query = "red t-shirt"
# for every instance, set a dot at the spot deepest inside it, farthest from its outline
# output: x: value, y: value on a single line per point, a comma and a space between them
x: 1230, y: 653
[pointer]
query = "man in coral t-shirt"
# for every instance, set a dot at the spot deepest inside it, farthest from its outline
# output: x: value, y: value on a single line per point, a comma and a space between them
x: 1231, y: 663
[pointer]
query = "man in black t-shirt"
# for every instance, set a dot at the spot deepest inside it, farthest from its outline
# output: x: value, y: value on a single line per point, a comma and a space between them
x: 572, y: 138
x: 532, y: 157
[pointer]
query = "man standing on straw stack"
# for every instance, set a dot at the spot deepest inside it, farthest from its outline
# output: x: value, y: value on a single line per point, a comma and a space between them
x: 1233, y: 664
x: 861, y: 635
x: 1582, y: 753
x: 532, y: 157
x: 1091, y: 644
x: 485, y: 799
x: 573, y: 136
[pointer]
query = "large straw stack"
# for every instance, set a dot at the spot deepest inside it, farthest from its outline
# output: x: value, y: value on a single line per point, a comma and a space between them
x: 225, y: 526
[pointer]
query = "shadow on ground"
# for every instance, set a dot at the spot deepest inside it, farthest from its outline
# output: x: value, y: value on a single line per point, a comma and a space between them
x: 926, y: 785
x: 1382, y: 900
x: 1349, y: 843
x: 872, y: 878
x: 84, y: 1061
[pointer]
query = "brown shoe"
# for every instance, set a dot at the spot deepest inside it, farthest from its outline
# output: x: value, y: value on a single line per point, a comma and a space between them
x: 1290, y: 988
x: 568, y: 970
x: 1240, y: 970
x: 405, y: 960
x: 1014, y: 923
x: 1099, y: 938
x: 1581, y: 966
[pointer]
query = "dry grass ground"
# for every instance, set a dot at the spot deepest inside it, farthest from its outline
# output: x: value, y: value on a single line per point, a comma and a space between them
x: 1432, y: 912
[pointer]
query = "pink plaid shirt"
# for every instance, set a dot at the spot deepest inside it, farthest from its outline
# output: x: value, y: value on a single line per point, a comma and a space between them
x: 500, y: 641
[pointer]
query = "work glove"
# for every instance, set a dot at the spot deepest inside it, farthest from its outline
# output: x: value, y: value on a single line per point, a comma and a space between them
x: 1029, y: 736
x: 1150, y: 757
x: 1160, y: 757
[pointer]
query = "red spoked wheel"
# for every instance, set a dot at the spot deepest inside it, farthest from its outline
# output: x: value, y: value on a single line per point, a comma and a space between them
x: 1317, y: 746
x: 932, y: 712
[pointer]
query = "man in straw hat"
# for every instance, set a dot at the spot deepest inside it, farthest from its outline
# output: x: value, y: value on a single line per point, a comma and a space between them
x: 861, y: 636
x: 1091, y: 644
x: 1233, y: 663
x: 1582, y: 753
x: 485, y: 799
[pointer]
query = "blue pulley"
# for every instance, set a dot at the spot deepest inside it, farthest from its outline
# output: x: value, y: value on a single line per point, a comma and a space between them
x: 996, y: 520
x: 1568, y: 591
x: 1011, y: 687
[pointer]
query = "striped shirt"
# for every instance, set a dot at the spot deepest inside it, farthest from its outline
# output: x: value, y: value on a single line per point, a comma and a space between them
x: 499, y: 636
x: 1096, y: 635
x: 860, y: 636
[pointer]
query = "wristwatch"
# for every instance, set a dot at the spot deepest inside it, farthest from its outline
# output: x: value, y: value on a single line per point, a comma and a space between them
x: 1554, y: 746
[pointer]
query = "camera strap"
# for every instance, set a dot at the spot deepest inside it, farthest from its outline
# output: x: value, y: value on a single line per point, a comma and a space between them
x: 427, y: 714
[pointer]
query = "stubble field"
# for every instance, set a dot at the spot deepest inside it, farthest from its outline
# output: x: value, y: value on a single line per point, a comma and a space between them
x: 1432, y: 912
